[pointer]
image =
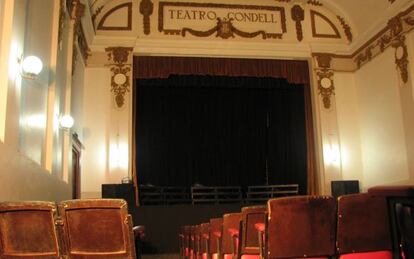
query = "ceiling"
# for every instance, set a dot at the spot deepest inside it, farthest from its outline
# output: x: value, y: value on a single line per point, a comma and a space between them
x: 364, y: 16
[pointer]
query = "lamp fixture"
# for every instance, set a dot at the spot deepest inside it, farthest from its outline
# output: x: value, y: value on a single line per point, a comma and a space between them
x: 30, y: 67
x: 66, y: 122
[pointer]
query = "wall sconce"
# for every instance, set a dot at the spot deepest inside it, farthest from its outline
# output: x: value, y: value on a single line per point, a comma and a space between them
x: 66, y: 122
x: 30, y: 67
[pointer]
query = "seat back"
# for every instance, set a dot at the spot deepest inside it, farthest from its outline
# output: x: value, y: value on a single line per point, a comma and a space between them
x: 98, y: 228
x: 363, y: 224
x: 251, y: 216
x: 204, y: 238
x: 301, y: 226
x: 231, y: 226
x: 216, y: 228
x: 28, y: 230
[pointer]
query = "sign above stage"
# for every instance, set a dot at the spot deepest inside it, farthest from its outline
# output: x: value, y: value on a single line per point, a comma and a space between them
x: 223, y: 20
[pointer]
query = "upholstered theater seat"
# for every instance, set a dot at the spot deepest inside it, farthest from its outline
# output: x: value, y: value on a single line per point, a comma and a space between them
x: 28, y: 230
x: 250, y: 242
x: 363, y: 229
x: 301, y: 226
x: 97, y: 229
x: 230, y: 238
x: 400, y: 201
x: 205, y: 240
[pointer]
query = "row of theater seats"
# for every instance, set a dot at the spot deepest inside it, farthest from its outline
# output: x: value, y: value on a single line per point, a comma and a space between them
x: 100, y: 228
x: 356, y: 226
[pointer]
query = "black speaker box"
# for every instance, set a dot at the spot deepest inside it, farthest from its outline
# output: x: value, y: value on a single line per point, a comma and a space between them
x: 339, y: 188
x: 120, y: 191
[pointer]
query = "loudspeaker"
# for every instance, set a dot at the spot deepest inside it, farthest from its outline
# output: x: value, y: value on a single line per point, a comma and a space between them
x: 339, y: 188
x: 120, y: 191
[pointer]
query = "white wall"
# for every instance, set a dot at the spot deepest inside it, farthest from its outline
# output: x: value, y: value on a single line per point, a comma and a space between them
x: 347, y: 109
x: 383, y: 140
x: 27, y: 106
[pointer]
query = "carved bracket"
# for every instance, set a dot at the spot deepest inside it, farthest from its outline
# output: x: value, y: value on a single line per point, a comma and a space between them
x: 298, y: 15
x: 326, y: 86
x: 146, y: 7
x: 120, y: 64
x: 401, y: 57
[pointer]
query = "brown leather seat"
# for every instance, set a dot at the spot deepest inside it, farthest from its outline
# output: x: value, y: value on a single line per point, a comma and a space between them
x: 28, y: 230
x: 98, y: 228
x: 252, y: 216
x: 363, y: 227
x: 230, y: 238
x: 301, y: 226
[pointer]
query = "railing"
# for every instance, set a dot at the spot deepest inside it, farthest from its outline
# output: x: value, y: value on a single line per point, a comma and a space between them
x: 260, y: 194
x: 216, y: 194
x: 159, y: 195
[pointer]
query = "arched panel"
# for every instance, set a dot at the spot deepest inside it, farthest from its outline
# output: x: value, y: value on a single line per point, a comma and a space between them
x: 323, y: 27
x: 119, y: 18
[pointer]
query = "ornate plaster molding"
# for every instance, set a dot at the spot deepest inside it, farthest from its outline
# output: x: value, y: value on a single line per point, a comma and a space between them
x: 146, y: 8
x: 225, y: 29
x: 315, y: 3
x: 346, y: 27
x: 298, y: 15
x: 120, y: 66
x: 392, y: 35
x: 128, y: 27
x: 401, y: 57
x: 325, y: 86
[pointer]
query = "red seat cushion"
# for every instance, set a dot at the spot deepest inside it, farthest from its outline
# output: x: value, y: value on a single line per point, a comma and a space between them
x: 215, y: 256
x: 250, y: 257
x: 204, y: 256
x: 368, y: 255
x: 228, y: 256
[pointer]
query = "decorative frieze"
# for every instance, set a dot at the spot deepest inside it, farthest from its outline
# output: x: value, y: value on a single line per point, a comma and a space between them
x: 120, y: 66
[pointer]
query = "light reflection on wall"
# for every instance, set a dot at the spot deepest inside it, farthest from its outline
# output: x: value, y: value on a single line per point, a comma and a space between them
x: 118, y: 156
x: 332, y: 155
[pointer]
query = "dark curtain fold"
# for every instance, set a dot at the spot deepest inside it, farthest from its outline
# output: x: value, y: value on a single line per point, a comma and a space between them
x: 295, y: 72
x: 219, y: 131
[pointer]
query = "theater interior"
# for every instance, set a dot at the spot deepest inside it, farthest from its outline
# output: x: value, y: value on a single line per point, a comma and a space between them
x: 207, y: 129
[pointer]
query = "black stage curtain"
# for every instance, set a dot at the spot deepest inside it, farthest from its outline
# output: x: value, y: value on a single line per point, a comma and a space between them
x: 220, y: 131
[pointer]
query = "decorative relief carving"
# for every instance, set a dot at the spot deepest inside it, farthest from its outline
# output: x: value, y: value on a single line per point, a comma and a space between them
x: 146, y: 7
x: 298, y: 15
x: 315, y: 3
x: 224, y: 27
x: 401, y: 57
x: 391, y: 1
x: 346, y: 27
x: 95, y: 14
x: 395, y: 25
x: 119, y: 58
x: 326, y: 86
x: 324, y: 60
x: 128, y: 27
x: 76, y: 11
